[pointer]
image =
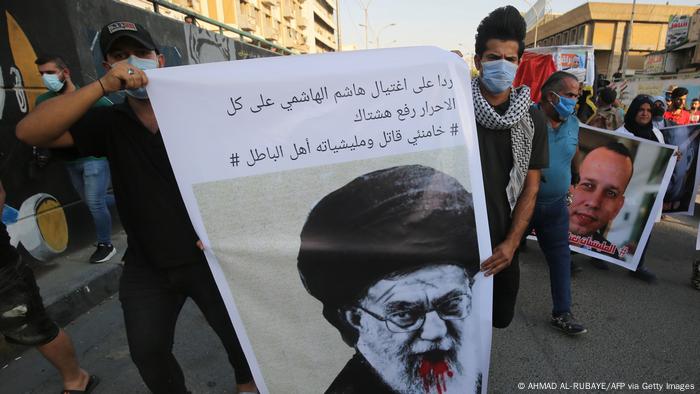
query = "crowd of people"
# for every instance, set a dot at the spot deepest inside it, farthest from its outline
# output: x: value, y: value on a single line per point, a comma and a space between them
x: 668, y: 110
x: 526, y: 148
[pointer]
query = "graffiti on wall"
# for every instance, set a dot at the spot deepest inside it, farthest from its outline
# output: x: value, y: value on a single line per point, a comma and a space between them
x: 43, y: 212
x: 35, y: 221
x: 204, y: 46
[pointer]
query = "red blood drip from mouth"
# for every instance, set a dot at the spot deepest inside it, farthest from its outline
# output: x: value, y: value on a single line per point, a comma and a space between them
x: 433, y: 373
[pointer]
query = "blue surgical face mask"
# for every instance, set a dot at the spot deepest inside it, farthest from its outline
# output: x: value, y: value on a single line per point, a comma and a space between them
x: 565, y: 107
x: 498, y: 75
x: 143, y: 64
x: 52, y: 82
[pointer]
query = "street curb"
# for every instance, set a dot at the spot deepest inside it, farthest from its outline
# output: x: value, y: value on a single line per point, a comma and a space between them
x: 68, y: 307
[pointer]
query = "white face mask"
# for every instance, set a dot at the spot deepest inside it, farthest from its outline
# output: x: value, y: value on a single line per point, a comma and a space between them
x: 52, y: 82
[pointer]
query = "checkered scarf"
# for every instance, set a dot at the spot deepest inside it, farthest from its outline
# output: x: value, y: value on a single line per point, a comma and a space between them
x: 517, y: 118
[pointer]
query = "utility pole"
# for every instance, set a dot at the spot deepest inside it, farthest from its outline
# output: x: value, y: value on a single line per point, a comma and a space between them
x: 365, y: 7
x: 626, y: 41
x: 337, y: 23
x: 537, y: 24
x: 376, y: 38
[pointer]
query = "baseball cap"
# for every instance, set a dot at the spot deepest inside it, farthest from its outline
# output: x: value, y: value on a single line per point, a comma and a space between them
x: 116, y: 30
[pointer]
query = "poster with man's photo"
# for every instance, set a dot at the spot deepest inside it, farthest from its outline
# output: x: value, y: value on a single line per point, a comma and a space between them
x: 340, y: 200
x: 683, y: 186
x: 618, y: 196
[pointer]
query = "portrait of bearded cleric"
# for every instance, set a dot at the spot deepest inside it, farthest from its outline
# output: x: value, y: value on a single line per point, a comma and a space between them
x: 392, y: 257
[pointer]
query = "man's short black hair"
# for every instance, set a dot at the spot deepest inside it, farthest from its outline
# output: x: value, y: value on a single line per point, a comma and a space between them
x: 555, y: 82
x: 49, y: 58
x: 504, y: 23
x: 607, y: 95
x: 679, y: 92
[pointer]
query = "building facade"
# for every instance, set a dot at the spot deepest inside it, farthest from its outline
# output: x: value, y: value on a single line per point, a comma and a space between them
x: 603, y: 25
x: 303, y: 26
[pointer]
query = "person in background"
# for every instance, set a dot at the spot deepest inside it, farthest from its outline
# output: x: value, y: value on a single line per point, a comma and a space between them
x: 89, y: 175
x: 585, y: 107
x: 695, y: 111
x: 677, y: 114
x: 638, y: 122
x: 657, y: 112
x: 551, y: 217
x: 607, y: 116
x: 190, y: 20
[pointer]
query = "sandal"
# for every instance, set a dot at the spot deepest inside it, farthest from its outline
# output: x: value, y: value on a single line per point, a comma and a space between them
x: 91, y: 384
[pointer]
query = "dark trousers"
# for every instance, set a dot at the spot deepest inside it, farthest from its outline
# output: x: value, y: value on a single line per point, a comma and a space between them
x: 151, y: 300
x: 505, y: 291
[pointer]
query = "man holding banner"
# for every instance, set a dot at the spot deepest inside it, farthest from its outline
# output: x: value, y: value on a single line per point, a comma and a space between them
x: 513, y: 147
x: 163, y: 263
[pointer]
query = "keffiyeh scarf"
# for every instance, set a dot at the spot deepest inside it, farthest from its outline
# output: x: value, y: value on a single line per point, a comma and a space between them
x: 518, y: 120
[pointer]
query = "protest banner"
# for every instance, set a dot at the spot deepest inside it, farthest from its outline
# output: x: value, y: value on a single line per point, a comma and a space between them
x: 619, y: 194
x: 683, y: 186
x: 340, y: 198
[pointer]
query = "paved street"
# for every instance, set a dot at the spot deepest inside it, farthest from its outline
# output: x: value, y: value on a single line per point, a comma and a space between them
x: 637, y: 333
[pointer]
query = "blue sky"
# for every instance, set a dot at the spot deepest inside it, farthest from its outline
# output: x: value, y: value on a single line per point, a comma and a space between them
x: 444, y: 23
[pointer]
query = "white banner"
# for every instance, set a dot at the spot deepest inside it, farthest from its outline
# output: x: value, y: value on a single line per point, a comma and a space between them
x: 311, y: 179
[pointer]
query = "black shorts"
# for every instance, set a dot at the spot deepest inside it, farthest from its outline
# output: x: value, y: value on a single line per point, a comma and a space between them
x: 23, y: 319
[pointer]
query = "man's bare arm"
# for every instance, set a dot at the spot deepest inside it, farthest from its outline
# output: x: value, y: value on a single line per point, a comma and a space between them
x: 46, y: 125
x: 522, y: 214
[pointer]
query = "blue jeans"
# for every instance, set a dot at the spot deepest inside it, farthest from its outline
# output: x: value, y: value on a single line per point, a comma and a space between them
x: 91, y: 179
x: 551, y: 224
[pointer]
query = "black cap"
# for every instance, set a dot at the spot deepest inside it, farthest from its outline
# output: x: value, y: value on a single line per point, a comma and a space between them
x: 116, y: 30
x: 399, y: 219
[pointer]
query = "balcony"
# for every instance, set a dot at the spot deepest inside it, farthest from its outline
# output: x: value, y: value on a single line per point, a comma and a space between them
x: 301, y: 21
x: 288, y: 10
x: 248, y: 22
x: 287, y: 42
x: 270, y: 33
x: 324, y: 15
x: 270, y: 3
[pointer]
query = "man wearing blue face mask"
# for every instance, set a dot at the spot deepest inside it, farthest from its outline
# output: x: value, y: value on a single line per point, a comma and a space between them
x: 164, y: 262
x: 513, y: 147
x: 551, y: 217
x: 88, y: 174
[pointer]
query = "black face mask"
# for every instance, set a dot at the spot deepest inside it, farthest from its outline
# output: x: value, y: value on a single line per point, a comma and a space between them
x: 657, y: 111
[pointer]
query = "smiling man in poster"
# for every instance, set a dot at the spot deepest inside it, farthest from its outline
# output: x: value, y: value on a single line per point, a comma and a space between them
x: 599, y: 195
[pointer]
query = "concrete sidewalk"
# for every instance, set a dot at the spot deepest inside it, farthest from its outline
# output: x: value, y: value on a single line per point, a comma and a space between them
x: 71, y: 286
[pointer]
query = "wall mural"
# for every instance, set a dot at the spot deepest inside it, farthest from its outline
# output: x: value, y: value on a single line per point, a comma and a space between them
x: 43, y: 213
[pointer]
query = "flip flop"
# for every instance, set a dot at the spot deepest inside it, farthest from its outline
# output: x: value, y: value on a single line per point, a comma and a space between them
x: 91, y: 384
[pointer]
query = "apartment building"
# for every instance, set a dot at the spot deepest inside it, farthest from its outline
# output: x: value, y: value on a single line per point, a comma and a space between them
x: 303, y: 26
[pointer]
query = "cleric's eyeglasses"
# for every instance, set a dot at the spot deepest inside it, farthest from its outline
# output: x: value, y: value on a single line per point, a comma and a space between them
x: 412, y: 319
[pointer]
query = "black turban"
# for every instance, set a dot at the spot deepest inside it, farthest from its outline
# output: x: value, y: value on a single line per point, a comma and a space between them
x: 679, y: 92
x: 390, y: 221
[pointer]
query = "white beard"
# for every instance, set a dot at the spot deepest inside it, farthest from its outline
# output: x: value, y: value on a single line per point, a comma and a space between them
x: 407, y: 380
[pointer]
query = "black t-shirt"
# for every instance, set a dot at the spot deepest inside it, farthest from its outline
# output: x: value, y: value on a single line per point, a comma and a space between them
x: 496, y: 163
x: 8, y: 254
x: 159, y: 231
